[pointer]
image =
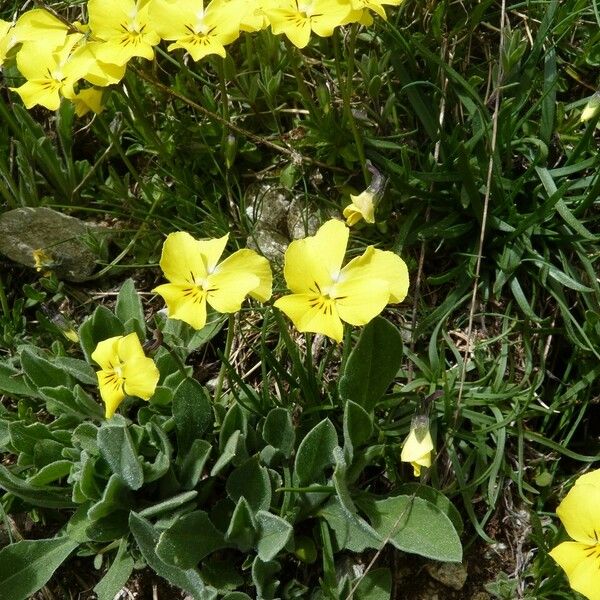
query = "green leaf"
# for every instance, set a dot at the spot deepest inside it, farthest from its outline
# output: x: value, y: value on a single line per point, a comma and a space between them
x: 263, y: 578
x: 41, y: 372
x: 192, y: 465
x: 116, y: 496
x: 375, y: 585
x: 435, y: 497
x: 190, y: 539
x: 278, y: 431
x: 169, y: 505
x: 187, y: 579
x: 414, y: 525
x: 233, y: 447
x: 45, y: 496
x: 242, y: 527
x: 372, y: 364
x: 252, y: 481
x: 13, y: 383
x: 117, y: 575
x: 100, y: 325
x: 192, y: 413
x: 129, y: 309
x: 347, y: 532
x: 358, y: 427
x: 116, y: 446
x: 51, y: 472
x: 26, y: 566
x: 273, y: 534
x: 78, y: 369
x: 315, y: 452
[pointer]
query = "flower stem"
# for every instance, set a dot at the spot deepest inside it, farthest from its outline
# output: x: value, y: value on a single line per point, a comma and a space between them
x: 228, y: 344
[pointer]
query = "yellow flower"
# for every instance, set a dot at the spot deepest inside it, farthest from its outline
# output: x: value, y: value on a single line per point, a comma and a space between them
x: 88, y: 100
x: 199, y: 30
x: 361, y: 207
x: 418, y: 446
x: 325, y: 294
x: 42, y: 260
x: 49, y: 75
x: 298, y: 18
x: 197, y: 277
x: 125, y: 28
x: 7, y: 39
x: 580, y: 514
x: 125, y: 371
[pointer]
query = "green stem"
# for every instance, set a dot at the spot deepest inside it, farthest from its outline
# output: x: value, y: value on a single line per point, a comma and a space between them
x: 228, y: 344
x: 346, y: 346
x: 346, y: 87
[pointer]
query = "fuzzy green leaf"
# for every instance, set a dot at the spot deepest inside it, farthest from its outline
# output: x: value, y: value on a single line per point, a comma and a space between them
x: 117, y: 575
x: 192, y: 413
x: 116, y: 446
x: 273, y: 534
x: 315, y: 452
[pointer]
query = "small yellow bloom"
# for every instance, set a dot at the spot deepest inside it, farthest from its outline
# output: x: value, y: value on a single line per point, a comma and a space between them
x: 125, y: 371
x: 418, y: 446
x: 197, y: 277
x: 125, y: 28
x: 198, y: 29
x: 361, y: 207
x: 42, y: 28
x: 42, y: 260
x: 580, y: 514
x: 325, y: 294
x: 298, y: 18
x: 88, y: 100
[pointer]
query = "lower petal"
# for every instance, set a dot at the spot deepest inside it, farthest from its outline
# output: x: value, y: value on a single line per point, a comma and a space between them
x: 111, y: 391
x: 306, y: 317
x: 581, y: 563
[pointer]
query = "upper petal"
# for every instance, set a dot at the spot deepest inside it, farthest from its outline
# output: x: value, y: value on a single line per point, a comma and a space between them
x: 130, y: 348
x: 591, y: 478
x: 106, y: 353
x: 579, y: 513
x: 314, y: 262
x: 181, y: 260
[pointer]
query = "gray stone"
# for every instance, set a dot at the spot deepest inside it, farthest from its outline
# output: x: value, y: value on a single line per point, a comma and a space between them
x: 452, y: 575
x: 58, y: 236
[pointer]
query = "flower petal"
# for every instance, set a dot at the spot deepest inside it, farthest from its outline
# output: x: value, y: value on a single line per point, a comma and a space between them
x: 141, y: 376
x: 580, y: 515
x: 361, y: 299
x: 591, y: 478
x: 111, y: 391
x: 106, y: 353
x: 248, y: 261
x: 314, y: 262
x: 181, y: 259
x: 190, y: 307
x: 581, y: 563
x: 129, y: 348
x: 228, y: 289
x: 380, y: 264
x: 307, y: 316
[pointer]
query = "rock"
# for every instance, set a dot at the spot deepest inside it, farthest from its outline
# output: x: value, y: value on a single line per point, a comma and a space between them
x: 451, y: 575
x: 278, y: 219
x: 57, y: 239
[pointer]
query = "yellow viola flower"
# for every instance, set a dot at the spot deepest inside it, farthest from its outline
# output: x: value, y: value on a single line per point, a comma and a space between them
x: 125, y: 28
x: 49, y: 75
x: 374, y: 5
x: 325, y: 294
x: 591, y: 108
x: 198, y: 29
x: 580, y: 514
x: 124, y: 371
x: 197, y: 277
x: 88, y: 100
x: 418, y: 446
x: 8, y: 39
x: 254, y: 17
x: 97, y: 72
x: 361, y: 207
x: 298, y: 18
